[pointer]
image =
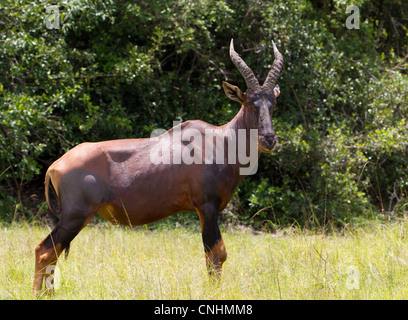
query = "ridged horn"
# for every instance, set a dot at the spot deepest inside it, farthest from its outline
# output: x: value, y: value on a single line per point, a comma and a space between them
x: 249, y: 77
x: 273, y: 75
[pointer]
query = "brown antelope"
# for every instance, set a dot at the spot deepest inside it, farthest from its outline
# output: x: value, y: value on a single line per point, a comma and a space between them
x: 118, y: 180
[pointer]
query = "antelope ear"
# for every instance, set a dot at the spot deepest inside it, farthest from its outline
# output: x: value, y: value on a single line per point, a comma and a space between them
x: 276, y: 91
x: 233, y: 92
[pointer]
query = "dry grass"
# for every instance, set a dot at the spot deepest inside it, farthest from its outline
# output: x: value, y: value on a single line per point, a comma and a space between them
x: 108, y: 262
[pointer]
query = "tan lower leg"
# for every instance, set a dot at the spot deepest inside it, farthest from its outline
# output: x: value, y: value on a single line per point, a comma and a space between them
x: 43, y: 259
x: 215, y: 258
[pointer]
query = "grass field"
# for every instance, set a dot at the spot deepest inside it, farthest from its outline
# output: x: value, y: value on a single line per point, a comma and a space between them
x: 110, y: 262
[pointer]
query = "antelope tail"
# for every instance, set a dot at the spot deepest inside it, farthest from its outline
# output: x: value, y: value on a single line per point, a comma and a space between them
x: 47, y: 193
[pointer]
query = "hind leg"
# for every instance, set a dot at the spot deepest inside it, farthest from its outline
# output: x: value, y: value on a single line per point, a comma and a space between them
x: 49, y: 249
x: 46, y: 254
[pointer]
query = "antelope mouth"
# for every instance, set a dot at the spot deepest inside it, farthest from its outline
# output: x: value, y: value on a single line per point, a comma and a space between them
x: 266, y: 149
x: 267, y: 143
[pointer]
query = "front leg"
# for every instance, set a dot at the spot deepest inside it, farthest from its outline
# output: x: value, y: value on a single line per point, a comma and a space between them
x: 215, y: 252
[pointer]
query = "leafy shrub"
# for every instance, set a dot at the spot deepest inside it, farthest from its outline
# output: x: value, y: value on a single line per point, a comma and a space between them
x: 118, y: 69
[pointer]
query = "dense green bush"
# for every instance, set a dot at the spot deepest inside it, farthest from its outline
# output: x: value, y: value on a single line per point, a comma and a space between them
x: 118, y: 69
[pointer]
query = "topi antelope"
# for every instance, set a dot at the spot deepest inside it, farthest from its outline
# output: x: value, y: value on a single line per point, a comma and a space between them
x: 118, y: 180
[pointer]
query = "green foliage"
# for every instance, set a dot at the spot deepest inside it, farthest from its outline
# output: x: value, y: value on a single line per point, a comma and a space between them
x: 118, y: 69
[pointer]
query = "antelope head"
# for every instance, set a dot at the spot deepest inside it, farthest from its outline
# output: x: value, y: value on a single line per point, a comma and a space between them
x: 258, y: 101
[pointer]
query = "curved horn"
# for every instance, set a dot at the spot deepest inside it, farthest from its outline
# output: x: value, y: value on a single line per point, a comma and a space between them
x: 270, y: 81
x: 246, y: 72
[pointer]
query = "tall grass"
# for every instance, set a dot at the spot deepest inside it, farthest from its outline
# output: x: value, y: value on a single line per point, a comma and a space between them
x: 109, y: 262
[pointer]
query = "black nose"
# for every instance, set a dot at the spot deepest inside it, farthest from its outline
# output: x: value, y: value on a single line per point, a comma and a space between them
x: 269, y: 140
